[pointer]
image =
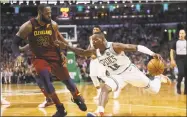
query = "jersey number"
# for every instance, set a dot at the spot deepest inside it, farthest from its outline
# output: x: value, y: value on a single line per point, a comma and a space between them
x: 43, y: 41
x: 114, y: 67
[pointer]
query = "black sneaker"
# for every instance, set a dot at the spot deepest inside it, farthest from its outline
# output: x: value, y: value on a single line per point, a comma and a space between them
x: 61, y: 112
x: 80, y: 102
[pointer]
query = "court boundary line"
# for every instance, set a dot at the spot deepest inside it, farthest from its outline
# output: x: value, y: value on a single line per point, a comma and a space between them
x: 67, y: 91
x: 35, y: 92
x: 71, y: 103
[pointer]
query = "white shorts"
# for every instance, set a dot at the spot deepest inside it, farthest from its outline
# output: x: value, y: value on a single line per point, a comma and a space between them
x: 132, y: 75
x: 97, y: 69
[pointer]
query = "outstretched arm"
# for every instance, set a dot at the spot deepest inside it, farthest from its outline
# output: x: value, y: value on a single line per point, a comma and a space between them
x: 78, y: 51
x: 118, y: 47
x: 61, y: 38
x: 82, y: 52
x: 58, y: 35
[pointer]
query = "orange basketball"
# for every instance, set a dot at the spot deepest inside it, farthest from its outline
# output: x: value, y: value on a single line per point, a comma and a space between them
x: 155, y: 67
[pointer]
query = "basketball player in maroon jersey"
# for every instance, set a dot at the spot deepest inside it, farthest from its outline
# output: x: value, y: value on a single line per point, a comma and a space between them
x: 26, y: 49
x: 41, y: 33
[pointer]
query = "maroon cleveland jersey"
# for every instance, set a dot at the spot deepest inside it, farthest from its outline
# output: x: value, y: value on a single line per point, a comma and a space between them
x: 41, y: 41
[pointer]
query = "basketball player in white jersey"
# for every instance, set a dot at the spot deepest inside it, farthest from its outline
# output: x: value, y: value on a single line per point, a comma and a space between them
x: 94, y: 65
x: 122, y: 70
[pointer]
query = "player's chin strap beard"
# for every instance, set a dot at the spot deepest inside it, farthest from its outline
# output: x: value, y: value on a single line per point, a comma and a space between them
x: 42, y: 18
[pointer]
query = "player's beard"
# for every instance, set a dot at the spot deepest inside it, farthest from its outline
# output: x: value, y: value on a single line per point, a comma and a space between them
x: 43, y: 19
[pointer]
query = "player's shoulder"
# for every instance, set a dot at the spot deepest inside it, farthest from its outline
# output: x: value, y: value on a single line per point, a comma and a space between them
x: 26, y: 27
x: 116, y: 47
x: 54, y: 24
x: 27, y: 24
x: 114, y: 44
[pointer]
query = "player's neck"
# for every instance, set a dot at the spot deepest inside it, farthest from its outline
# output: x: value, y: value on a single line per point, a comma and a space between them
x: 102, y: 49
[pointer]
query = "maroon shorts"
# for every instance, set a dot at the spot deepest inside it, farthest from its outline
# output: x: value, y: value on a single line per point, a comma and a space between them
x: 56, y: 68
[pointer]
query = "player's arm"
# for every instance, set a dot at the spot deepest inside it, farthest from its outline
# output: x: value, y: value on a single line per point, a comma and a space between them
x: 82, y: 52
x: 58, y: 35
x: 61, y: 38
x: 23, y: 32
x: 172, y: 51
x: 24, y: 48
x: 78, y: 51
x: 172, y: 54
x: 118, y: 47
x: 90, y: 46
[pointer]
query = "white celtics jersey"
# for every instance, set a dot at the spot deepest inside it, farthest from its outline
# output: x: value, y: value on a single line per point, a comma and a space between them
x: 113, y: 62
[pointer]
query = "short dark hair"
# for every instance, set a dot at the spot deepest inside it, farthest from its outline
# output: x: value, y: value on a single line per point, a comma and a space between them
x: 42, y: 6
x: 97, y: 26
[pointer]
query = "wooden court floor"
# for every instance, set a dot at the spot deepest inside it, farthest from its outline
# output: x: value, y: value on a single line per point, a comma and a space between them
x: 133, y: 101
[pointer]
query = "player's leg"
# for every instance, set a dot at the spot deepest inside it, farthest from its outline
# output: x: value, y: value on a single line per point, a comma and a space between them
x: 93, y: 75
x: 112, y: 83
x: 48, y: 101
x: 180, y: 66
x: 43, y: 70
x: 185, y: 80
x: 137, y: 78
x: 62, y: 73
x: 103, y: 99
x: 117, y: 92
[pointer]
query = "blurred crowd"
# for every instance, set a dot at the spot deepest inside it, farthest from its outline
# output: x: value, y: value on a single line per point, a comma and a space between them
x: 20, y: 72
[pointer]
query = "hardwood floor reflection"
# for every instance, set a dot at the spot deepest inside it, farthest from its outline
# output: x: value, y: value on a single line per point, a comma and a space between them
x: 132, y: 101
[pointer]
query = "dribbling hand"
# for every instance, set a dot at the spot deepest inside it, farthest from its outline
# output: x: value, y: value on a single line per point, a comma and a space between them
x: 157, y: 56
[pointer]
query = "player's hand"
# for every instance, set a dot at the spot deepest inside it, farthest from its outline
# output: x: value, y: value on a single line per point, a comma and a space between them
x: 60, y: 44
x: 157, y: 56
x: 173, y: 63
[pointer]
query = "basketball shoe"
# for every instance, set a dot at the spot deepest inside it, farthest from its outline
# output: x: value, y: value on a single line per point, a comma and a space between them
x: 46, y: 103
x: 80, y: 102
x: 61, y: 112
x: 95, y: 114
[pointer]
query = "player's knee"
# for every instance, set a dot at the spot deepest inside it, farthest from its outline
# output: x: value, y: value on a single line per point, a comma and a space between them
x: 106, y: 88
x: 45, y: 77
x: 49, y: 87
x: 112, y: 84
x: 39, y: 82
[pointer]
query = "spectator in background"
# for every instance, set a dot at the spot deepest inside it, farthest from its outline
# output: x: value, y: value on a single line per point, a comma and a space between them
x: 180, y: 48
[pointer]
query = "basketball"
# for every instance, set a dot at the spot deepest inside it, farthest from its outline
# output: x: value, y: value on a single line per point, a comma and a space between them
x: 155, y: 67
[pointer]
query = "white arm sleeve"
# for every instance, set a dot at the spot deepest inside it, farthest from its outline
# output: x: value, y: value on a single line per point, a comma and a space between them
x: 145, y: 50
